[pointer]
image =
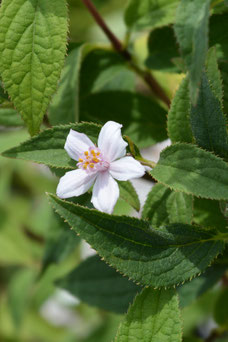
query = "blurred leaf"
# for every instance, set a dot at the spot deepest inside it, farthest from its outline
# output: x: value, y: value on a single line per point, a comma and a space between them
x: 98, y: 284
x: 104, y: 70
x: 221, y: 308
x: 150, y: 13
x: 164, y: 206
x: 61, y: 243
x: 198, y: 312
x: 3, y: 93
x: 207, y: 213
x: 223, y: 338
x: 12, y: 138
x: 179, y: 127
x: 155, y: 315
x: 10, y: 117
x: 191, y: 28
x: 39, y: 46
x: 15, y: 248
x: 154, y: 257
x: 162, y: 56
x: 106, y: 332
x: 144, y: 121
x: 19, y: 293
x: 64, y: 107
x: 190, y: 291
x: 129, y: 195
x: 187, y: 168
x: 208, y: 121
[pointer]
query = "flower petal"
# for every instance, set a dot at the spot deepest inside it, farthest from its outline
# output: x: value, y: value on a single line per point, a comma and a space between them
x: 126, y: 168
x: 77, y: 143
x: 75, y: 183
x: 105, y: 193
x: 111, y: 142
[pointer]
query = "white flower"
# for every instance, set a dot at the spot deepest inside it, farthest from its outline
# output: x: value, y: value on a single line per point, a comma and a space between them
x: 99, y: 165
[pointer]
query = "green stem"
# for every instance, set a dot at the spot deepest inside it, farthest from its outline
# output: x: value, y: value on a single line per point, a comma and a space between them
x: 146, y: 162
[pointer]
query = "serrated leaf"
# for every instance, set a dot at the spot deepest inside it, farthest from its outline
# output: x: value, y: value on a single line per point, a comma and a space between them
x: 208, y: 122
x: 162, y: 56
x: 129, y: 195
x: 190, y: 291
x: 64, y: 107
x: 218, y: 38
x: 179, y: 128
x: 153, y: 257
x: 191, y: 27
x: 98, y: 284
x: 153, y: 317
x: 143, y: 14
x: 189, y: 169
x: 207, y: 213
x: 144, y: 121
x: 164, y: 206
x: 31, y: 62
x: 213, y: 74
x: 48, y: 146
x: 10, y: 118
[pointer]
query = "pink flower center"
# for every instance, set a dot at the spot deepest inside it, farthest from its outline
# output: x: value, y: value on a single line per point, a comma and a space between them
x: 92, y: 160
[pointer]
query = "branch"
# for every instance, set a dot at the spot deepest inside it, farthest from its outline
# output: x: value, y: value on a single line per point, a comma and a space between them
x: 118, y: 46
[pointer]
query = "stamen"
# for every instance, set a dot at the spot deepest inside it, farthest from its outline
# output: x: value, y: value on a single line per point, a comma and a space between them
x: 92, y: 160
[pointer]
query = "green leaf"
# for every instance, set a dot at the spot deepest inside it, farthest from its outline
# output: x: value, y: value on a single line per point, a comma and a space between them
x: 153, y: 257
x: 213, y: 74
x: 97, y: 284
x: 190, y: 291
x: 3, y: 94
x: 208, y: 122
x: 189, y: 169
x: 150, y: 14
x: 218, y: 38
x: 9, y: 117
x: 19, y: 294
x: 31, y: 62
x: 48, y: 146
x: 218, y: 35
x: 164, y: 206
x: 60, y: 244
x: 221, y: 308
x: 64, y: 107
x: 207, y: 213
x: 144, y: 121
x: 179, y: 128
x: 129, y: 195
x: 162, y: 56
x: 104, y: 70
x: 154, y: 317
x: 191, y: 28
x: 107, y: 331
